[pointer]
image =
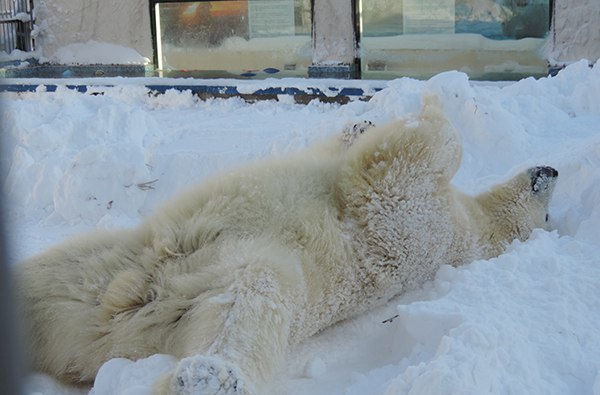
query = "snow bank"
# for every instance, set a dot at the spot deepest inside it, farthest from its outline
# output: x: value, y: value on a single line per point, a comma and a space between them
x: 525, y: 322
x: 518, y: 324
x: 17, y: 54
x: 81, y: 161
x: 93, y: 52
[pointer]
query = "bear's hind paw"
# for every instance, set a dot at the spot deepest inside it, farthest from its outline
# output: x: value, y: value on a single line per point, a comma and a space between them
x: 207, y: 375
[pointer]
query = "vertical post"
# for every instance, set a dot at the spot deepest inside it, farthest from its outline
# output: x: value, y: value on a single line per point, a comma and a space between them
x: 12, y: 369
x: 334, y: 40
x: 155, y: 37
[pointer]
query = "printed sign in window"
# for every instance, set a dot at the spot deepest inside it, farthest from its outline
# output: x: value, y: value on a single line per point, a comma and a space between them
x: 428, y: 16
x: 271, y: 18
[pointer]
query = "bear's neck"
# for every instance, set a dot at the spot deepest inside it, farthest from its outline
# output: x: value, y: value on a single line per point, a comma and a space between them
x: 502, y: 219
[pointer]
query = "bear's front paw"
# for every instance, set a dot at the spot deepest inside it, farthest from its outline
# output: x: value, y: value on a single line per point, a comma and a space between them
x: 350, y: 133
x: 207, y: 375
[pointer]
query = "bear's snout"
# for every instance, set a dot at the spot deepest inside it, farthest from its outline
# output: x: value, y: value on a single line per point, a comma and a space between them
x: 547, y: 171
x: 542, y: 177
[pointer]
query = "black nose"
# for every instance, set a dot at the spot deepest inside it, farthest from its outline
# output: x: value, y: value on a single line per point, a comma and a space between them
x: 546, y: 171
x: 540, y: 177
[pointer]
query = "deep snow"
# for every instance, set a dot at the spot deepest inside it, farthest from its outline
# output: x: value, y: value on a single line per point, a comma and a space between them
x: 523, y: 323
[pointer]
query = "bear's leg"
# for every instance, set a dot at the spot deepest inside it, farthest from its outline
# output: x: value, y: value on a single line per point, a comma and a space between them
x: 58, y: 293
x: 430, y: 148
x: 436, y: 136
x: 257, y: 311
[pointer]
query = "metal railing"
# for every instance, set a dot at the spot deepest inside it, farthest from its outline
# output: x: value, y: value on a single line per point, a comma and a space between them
x: 16, y: 25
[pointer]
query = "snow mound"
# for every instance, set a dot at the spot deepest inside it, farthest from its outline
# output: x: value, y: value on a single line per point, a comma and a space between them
x: 524, y: 322
x: 94, y: 52
x: 507, y: 325
x: 137, y: 377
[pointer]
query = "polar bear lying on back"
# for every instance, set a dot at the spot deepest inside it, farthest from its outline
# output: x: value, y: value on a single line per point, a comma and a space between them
x: 231, y: 273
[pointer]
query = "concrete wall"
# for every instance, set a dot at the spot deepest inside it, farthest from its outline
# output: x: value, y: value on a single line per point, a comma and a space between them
x: 333, y: 32
x: 121, y: 22
x: 576, y: 31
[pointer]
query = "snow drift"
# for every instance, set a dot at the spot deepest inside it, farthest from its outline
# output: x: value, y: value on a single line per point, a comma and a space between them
x: 525, y: 322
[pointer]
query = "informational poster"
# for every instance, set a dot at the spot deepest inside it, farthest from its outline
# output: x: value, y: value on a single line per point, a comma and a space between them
x: 271, y: 18
x: 428, y: 16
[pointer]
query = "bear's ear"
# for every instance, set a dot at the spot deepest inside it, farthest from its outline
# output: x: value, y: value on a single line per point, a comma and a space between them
x: 542, y: 177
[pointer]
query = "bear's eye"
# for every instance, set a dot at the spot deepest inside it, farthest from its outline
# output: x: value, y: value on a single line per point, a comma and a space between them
x: 547, y: 217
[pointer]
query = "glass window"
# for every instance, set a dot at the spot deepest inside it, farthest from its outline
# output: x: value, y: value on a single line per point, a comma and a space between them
x: 245, y: 38
x: 487, y: 39
x: 16, y: 24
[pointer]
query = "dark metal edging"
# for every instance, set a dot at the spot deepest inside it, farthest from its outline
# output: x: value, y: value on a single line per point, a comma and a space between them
x: 343, y: 94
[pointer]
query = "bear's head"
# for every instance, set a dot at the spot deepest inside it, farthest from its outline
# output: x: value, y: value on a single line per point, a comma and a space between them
x: 542, y: 182
x: 518, y: 206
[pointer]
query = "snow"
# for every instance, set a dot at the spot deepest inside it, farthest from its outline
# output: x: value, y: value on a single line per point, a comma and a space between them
x: 93, y: 52
x: 525, y: 322
x: 136, y: 377
x: 16, y: 55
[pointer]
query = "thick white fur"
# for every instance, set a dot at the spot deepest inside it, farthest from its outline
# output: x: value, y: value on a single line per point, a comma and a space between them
x: 231, y: 273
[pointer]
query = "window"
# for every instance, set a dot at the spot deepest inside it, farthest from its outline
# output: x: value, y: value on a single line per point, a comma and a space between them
x: 487, y: 39
x: 16, y: 23
x: 243, y: 38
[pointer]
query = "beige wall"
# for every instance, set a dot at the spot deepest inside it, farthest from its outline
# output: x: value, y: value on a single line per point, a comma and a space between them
x: 333, y: 37
x: 121, y: 22
x: 576, y: 31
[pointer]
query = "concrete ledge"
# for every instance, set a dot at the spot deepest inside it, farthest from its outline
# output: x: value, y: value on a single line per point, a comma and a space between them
x: 302, y: 91
x: 31, y: 68
x: 344, y: 72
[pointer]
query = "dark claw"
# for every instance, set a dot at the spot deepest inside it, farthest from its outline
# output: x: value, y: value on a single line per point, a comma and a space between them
x: 540, y: 177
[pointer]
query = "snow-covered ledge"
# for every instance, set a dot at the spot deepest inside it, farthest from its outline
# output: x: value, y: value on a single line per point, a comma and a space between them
x: 334, y: 40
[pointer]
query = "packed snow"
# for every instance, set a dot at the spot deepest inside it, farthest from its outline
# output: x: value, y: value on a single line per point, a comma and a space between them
x: 94, y: 52
x: 525, y: 322
x: 91, y: 52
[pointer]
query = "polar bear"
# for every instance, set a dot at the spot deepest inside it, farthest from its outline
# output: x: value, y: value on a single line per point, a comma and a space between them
x: 228, y: 275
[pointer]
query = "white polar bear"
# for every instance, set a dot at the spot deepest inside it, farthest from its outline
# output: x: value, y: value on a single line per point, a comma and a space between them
x: 231, y: 273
